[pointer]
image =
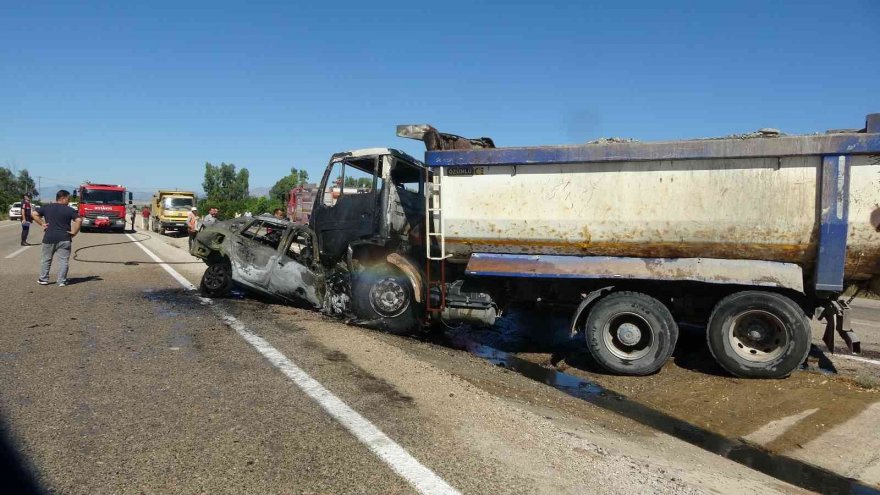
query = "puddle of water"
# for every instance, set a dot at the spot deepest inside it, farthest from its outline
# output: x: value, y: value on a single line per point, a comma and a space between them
x: 781, y: 467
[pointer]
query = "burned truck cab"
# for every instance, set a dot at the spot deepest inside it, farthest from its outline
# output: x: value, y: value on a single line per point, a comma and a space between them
x: 370, y: 201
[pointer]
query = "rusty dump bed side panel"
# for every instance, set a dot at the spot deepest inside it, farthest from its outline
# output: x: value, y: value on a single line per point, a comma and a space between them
x: 715, y: 271
x: 756, y: 199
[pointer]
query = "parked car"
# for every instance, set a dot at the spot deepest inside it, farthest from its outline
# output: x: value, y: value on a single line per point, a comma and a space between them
x: 15, y: 211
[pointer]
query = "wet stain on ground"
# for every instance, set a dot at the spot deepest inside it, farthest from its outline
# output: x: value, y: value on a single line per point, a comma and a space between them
x: 778, y: 466
x: 691, y: 398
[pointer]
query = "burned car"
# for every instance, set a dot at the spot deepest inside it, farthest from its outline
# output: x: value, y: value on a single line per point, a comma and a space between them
x: 358, y: 255
x: 262, y: 253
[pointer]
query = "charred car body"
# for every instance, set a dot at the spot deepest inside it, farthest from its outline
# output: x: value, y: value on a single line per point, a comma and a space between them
x: 748, y: 237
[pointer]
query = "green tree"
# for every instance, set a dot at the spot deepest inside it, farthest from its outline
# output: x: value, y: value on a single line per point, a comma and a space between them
x: 360, y: 182
x: 25, y: 184
x: 223, y: 183
x: 8, y: 191
x: 288, y: 182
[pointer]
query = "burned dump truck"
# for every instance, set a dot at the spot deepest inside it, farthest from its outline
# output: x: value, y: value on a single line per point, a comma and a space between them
x: 750, y: 236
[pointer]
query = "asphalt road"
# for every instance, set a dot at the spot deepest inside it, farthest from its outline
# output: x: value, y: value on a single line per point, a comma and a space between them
x: 126, y: 382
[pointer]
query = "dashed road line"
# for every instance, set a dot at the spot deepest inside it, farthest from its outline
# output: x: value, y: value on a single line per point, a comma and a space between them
x: 16, y: 252
x: 859, y: 359
x: 423, y: 479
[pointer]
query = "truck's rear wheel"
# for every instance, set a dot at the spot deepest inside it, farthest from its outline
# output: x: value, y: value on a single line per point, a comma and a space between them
x: 381, y: 293
x: 217, y: 280
x: 630, y: 333
x: 755, y: 334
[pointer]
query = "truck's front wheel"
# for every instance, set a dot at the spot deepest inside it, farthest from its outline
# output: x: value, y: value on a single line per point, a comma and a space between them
x: 755, y: 334
x: 380, y: 293
x: 630, y: 333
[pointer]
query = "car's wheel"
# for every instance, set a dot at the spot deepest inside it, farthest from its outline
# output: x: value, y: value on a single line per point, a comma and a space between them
x: 756, y: 334
x: 630, y: 333
x: 381, y: 293
x: 217, y: 280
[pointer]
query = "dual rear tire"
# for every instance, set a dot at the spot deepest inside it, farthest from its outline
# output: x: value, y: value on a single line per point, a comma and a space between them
x: 757, y: 334
x: 751, y: 334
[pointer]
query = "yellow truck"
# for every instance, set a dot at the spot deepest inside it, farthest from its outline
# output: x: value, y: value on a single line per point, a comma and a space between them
x: 169, y: 210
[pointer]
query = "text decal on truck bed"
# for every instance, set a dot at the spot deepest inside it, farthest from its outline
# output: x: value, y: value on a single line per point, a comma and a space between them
x: 464, y: 171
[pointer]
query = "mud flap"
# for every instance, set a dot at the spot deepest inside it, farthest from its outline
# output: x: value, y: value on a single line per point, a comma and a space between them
x: 836, y: 315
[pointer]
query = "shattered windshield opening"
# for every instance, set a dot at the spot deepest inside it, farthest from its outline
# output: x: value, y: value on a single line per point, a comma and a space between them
x: 101, y: 196
x: 351, y: 177
x: 408, y: 177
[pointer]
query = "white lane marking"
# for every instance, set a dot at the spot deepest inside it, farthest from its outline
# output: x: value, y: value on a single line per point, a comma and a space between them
x: 171, y: 271
x: 866, y: 323
x: 402, y: 462
x: 16, y: 252
x: 858, y: 358
x: 776, y: 428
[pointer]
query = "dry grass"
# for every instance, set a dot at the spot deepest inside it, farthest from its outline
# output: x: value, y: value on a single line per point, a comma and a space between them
x: 867, y: 381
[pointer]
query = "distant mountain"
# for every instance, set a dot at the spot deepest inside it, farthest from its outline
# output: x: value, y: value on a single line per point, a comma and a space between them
x: 47, y: 193
x: 260, y: 191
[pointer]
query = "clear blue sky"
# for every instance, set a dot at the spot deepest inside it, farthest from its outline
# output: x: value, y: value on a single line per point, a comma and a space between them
x: 144, y: 93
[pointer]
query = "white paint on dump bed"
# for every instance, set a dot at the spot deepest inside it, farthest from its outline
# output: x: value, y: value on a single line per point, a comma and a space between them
x: 757, y: 208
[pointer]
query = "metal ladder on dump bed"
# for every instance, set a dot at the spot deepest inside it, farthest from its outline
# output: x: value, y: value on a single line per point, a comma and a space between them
x: 434, y: 211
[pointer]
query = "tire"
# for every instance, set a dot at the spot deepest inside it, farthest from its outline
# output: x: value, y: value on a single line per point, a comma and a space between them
x: 217, y: 280
x: 383, y: 293
x: 630, y: 333
x: 756, y: 334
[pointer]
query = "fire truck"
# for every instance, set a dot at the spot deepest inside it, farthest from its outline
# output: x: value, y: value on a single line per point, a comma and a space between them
x: 102, y: 206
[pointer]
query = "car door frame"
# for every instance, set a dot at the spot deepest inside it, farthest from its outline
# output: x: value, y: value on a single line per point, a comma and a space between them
x: 247, y: 269
x: 289, y: 279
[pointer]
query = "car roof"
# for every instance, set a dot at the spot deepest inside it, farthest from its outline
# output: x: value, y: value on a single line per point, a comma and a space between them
x: 272, y: 218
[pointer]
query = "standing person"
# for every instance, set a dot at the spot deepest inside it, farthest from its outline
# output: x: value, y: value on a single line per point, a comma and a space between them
x: 192, y: 225
x: 132, y: 212
x: 26, y: 210
x: 146, y: 214
x: 210, y: 218
x: 55, y: 218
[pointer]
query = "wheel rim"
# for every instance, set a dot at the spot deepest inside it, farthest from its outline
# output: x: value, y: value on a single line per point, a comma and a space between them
x: 628, y: 336
x: 389, y: 297
x: 215, y: 276
x: 757, y: 335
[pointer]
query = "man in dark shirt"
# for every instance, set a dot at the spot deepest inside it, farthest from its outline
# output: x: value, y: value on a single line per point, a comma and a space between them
x: 55, y: 219
x: 25, y: 218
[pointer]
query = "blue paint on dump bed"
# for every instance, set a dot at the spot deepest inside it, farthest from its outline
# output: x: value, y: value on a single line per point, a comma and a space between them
x: 833, y: 225
x: 829, y: 144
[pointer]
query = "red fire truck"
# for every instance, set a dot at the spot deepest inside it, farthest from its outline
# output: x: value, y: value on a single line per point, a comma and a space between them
x: 102, y: 206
